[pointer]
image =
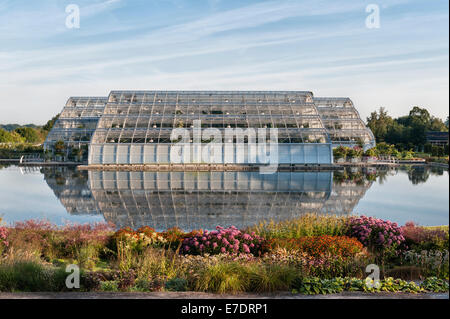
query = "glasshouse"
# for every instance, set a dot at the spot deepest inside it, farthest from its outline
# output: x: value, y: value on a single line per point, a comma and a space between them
x: 227, y: 127
x: 71, y: 134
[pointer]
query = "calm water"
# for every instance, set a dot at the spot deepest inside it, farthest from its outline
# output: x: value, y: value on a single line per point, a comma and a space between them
x: 203, y: 200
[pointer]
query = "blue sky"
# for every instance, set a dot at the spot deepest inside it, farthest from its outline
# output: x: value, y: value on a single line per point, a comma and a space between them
x: 320, y: 46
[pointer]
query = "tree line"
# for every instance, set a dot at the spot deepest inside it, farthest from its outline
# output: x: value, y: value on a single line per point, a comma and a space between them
x: 31, y: 134
x: 406, y: 132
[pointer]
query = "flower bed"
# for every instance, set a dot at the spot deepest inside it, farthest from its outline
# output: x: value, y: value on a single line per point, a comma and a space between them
x: 316, y: 246
x: 377, y: 234
x: 223, y: 240
x: 312, y: 254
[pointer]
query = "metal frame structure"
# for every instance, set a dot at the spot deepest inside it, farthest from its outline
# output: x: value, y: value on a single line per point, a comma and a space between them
x: 75, y: 125
x: 134, y: 127
x: 343, y: 123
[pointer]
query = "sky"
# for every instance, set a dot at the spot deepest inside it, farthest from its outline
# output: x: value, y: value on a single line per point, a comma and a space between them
x: 321, y: 46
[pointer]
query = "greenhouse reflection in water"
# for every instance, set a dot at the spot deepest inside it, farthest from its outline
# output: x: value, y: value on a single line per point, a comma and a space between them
x: 193, y: 200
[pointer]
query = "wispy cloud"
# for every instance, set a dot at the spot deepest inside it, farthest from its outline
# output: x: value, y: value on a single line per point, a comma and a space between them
x: 316, y: 45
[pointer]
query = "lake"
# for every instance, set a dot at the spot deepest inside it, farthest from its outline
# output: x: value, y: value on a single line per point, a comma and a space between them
x: 193, y: 200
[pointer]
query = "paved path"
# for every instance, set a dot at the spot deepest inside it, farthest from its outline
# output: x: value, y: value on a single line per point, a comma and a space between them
x: 200, y: 295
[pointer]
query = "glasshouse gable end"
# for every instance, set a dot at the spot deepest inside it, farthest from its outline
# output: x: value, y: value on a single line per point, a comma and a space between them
x: 227, y: 127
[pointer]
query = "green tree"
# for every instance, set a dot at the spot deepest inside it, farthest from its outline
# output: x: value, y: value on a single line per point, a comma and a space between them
x: 436, y: 124
x: 10, y: 137
x: 419, y: 116
x: 379, y: 122
x: 29, y: 134
x: 49, y: 125
x: 59, y: 147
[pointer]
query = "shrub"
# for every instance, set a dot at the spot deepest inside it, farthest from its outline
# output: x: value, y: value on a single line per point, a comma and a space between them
x: 228, y: 277
x: 108, y: 280
x: 325, y: 266
x: 110, y: 285
x: 229, y: 240
x: 425, y: 238
x: 138, y: 240
x: 316, y: 246
x: 174, y: 237
x: 430, y: 263
x: 435, y: 284
x: 271, y: 277
x: 32, y: 235
x: 355, y: 152
x: 371, y: 152
x: 177, y: 284
x: 156, y: 263
x: 3, y: 239
x: 379, y: 235
x: 80, y: 242
x: 85, y: 242
x: 340, y: 152
x: 91, y: 281
x: 31, y: 276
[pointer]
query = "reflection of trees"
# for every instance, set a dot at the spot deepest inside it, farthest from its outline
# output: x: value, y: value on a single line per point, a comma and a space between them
x: 418, y: 174
x: 356, y: 175
x: 437, y: 171
x: 359, y: 176
x: 382, y: 175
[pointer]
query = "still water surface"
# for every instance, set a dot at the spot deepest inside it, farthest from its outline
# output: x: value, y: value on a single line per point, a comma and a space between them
x: 203, y: 200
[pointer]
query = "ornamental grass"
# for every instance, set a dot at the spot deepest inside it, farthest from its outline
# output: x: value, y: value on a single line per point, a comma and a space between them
x: 306, y: 225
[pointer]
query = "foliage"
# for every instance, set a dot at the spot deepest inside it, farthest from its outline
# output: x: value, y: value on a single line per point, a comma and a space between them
x: 176, y: 284
x: 3, y: 239
x: 110, y: 285
x: 315, y: 285
x: 316, y: 246
x: 340, y: 152
x: 425, y: 238
x: 435, y: 284
x: 405, y: 132
x: 223, y: 240
x: 49, y: 125
x: 379, y: 235
x: 354, y: 152
x: 82, y: 243
x: 17, y: 150
x: 306, y: 225
x: 10, y: 137
x: 371, y: 152
x: 140, y: 239
x: 430, y: 262
x: 31, y: 276
x: 59, y: 147
x: 30, y: 135
x: 174, y: 237
x: 146, y: 260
